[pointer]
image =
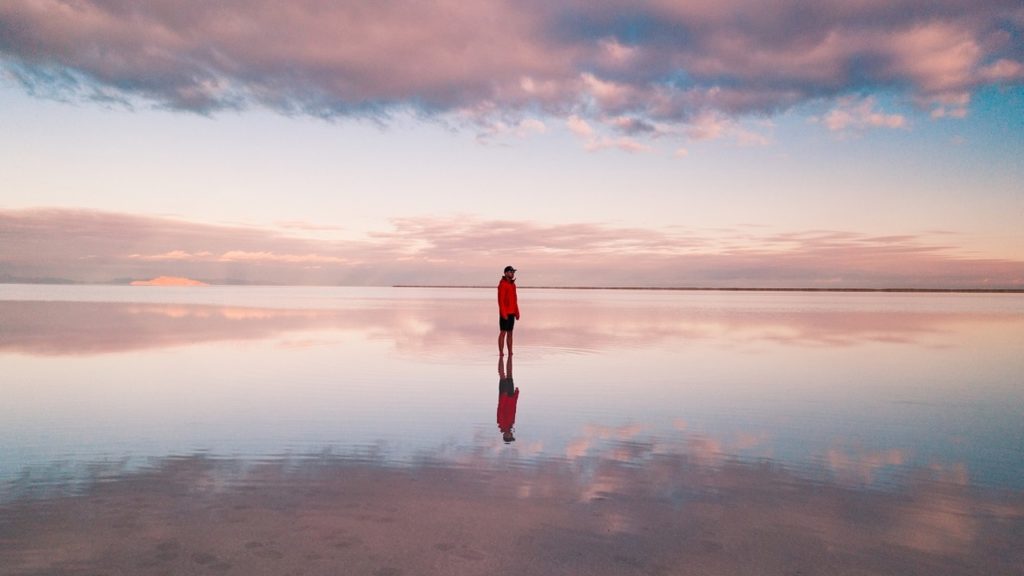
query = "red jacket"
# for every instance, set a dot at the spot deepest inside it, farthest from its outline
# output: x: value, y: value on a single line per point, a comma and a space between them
x: 507, y: 410
x: 507, y: 301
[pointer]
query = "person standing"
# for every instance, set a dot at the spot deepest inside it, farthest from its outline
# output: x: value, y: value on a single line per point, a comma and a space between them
x: 508, y: 309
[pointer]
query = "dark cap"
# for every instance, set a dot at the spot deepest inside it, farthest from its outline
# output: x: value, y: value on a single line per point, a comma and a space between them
x: 509, y: 269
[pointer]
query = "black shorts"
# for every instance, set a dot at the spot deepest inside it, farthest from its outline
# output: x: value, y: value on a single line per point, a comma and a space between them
x: 508, y: 323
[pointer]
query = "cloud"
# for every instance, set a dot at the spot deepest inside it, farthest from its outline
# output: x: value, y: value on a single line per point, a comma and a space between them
x: 659, y: 62
x: 491, y: 130
x: 622, y: 143
x: 265, y: 256
x: 1004, y: 70
x: 88, y: 246
x: 579, y: 127
x: 707, y: 127
x: 594, y: 141
x: 859, y: 114
x: 633, y: 125
x: 173, y: 255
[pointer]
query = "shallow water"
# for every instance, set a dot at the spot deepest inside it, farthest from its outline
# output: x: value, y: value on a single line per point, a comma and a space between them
x: 323, y: 430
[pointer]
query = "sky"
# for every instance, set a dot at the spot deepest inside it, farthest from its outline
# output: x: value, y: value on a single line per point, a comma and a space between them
x: 823, y: 144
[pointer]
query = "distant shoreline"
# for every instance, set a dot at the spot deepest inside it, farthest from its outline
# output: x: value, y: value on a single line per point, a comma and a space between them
x: 619, y: 288
x: 709, y: 289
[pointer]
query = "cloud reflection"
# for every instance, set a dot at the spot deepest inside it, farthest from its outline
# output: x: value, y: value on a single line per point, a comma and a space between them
x: 663, y: 512
x: 432, y: 326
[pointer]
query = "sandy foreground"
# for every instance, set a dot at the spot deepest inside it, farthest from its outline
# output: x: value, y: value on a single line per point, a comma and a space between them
x: 670, y: 514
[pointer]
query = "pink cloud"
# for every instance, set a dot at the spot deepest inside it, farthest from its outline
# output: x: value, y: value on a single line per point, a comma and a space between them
x: 501, y: 59
x: 707, y: 127
x: 265, y: 256
x: 173, y: 255
x: 496, y: 130
x: 858, y: 114
x: 579, y: 127
x: 1004, y: 70
x: 622, y: 143
x: 594, y: 141
x: 88, y: 246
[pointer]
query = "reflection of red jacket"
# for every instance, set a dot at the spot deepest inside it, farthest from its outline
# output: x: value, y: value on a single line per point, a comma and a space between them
x: 507, y: 410
x: 507, y: 301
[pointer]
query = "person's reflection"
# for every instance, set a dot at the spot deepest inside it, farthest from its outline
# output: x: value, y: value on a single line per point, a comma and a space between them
x: 508, y: 395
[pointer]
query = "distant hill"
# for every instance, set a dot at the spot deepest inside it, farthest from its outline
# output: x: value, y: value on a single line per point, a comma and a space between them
x: 169, y: 281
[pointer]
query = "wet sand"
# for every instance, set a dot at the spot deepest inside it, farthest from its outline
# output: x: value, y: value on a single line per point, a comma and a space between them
x: 480, y: 514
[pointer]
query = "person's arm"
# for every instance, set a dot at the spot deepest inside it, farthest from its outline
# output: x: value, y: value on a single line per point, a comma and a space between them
x: 504, y: 296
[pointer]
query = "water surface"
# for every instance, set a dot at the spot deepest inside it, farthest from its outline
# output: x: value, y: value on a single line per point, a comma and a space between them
x: 323, y: 430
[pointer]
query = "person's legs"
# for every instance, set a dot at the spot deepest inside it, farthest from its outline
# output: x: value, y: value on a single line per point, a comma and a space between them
x: 510, y: 326
x: 505, y: 325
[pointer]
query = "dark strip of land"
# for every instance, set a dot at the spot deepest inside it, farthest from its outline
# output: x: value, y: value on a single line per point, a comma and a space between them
x: 726, y: 289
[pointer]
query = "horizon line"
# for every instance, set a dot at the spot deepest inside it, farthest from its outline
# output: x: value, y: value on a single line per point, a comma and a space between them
x: 209, y: 283
x: 735, y: 289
